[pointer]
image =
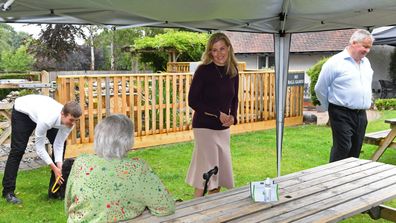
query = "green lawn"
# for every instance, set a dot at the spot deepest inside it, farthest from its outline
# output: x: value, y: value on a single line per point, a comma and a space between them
x: 254, y: 158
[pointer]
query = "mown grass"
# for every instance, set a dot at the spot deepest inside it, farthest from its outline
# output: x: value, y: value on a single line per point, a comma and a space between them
x: 254, y: 158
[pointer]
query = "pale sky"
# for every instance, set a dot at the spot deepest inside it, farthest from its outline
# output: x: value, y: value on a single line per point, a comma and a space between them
x: 28, y: 28
x: 34, y: 30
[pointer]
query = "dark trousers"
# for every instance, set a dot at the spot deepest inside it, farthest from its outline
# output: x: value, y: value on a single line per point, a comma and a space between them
x: 348, y: 127
x: 22, y: 128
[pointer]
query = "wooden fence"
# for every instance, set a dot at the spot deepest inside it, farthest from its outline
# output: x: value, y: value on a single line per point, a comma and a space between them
x: 184, y: 67
x: 157, y: 103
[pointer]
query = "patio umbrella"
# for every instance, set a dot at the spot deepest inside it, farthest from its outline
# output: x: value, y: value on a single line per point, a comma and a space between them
x: 280, y: 17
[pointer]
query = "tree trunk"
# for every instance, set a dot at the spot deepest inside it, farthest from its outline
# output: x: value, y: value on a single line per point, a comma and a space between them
x: 112, y: 61
x: 92, y: 53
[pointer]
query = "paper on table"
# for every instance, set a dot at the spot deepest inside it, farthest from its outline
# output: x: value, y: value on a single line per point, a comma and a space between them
x: 264, y: 191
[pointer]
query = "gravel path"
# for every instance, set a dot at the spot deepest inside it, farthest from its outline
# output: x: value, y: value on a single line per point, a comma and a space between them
x: 29, y: 161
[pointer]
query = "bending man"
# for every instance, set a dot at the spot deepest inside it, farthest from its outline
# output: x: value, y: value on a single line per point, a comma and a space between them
x: 50, y: 119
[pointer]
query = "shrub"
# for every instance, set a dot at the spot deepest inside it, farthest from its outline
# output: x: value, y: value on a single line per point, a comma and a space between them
x: 385, y: 104
x: 313, y: 73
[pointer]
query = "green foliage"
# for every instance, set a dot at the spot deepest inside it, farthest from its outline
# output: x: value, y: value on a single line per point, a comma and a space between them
x: 313, y: 73
x: 392, y: 66
x: 386, y: 104
x: 20, y: 60
x: 121, y: 38
x: 6, y: 36
x: 56, y: 42
x: 30, y: 77
x: 10, y: 42
x: 189, y: 47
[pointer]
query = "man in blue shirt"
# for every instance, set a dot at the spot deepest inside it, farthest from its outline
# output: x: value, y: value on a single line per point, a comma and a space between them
x: 344, y: 89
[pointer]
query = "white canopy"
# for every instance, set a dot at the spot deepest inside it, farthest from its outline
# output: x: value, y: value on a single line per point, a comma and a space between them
x: 271, y: 16
x: 280, y: 17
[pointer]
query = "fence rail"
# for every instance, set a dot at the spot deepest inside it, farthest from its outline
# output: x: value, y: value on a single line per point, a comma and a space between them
x: 184, y: 67
x: 157, y: 103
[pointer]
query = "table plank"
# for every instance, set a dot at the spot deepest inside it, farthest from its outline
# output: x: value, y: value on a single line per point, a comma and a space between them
x: 211, y: 201
x: 357, y: 205
x: 302, y: 197
x: 335, y: 196
x: 391, y: 121
x: 302, y: 194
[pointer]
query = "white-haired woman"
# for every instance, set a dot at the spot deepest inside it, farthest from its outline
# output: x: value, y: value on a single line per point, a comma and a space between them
x: 108, y: 186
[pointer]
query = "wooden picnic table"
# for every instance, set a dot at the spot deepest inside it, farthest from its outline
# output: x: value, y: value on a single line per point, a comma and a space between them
x: 327, y: 193
x: 384, y: 139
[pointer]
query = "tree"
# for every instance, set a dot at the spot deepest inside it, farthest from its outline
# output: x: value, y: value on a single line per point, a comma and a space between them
x: 6, y: 34
x: 313, y: 73
x: 92, y: 34
x: 55, y: 43
x: 13, y: 49
x: 20, y: 60
x: 121, y: 37
x: 189, y: 46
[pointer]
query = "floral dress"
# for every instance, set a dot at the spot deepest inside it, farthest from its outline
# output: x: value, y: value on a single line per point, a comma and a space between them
x: 100, y: 190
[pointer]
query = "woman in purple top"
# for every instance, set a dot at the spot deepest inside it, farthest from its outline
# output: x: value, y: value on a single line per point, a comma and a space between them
x: 214, y: 97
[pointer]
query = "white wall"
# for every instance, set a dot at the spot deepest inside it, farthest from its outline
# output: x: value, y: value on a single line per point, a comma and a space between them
x: 250, y: 59
x: 304, y: 61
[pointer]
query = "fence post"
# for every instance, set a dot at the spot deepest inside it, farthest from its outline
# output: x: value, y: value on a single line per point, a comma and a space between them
x: 107, y: 96
x: 44, y: 77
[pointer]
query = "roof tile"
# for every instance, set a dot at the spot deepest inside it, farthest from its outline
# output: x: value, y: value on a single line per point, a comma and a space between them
x: 300, y: 42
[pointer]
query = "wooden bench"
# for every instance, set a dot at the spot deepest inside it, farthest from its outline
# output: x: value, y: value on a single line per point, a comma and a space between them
x: 384, y: 139
x: 327, y: 193
x: 377, y: 138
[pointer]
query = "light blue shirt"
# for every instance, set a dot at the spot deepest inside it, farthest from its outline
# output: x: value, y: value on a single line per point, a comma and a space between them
x: 344, y: 82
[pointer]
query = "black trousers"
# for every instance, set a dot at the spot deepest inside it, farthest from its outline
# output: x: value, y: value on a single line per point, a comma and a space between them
x: 22, y: 128
x: 348, y: 127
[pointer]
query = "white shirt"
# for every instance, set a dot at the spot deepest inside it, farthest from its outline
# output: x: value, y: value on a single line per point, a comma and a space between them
x: 46, y: 113
x: 344, y: 82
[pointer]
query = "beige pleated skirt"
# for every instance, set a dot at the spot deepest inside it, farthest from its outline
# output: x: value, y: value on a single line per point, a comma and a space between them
x: 212, y: 148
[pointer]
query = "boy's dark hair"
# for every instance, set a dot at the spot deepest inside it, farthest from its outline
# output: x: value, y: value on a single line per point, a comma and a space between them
x: 73, y: 108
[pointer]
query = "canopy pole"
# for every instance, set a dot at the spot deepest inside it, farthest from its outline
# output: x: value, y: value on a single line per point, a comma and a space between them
x: 282, y: 50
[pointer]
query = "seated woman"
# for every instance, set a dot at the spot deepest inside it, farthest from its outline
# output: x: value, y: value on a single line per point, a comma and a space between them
x: 108, y: 186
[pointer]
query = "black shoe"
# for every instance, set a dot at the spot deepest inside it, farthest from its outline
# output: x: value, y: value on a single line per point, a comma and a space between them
x: 11, y: 198
x: 54, y: 195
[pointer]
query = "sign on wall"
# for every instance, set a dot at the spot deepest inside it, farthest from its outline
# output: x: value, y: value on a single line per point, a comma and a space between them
x: 295, y: 79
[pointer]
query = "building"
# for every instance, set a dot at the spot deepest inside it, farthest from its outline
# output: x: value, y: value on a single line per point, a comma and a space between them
x: 257, y: 50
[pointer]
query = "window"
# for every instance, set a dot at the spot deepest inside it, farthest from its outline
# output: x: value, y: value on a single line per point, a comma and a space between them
x: 266, y: 61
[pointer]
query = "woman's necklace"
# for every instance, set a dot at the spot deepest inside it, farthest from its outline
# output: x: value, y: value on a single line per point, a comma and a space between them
x: 218, y: 71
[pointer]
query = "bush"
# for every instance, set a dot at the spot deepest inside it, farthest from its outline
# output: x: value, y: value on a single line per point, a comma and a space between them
x: 313, y: 73
x: 385, y: 104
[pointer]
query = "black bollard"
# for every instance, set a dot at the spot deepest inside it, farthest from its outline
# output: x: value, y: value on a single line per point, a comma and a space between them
x: 206, y: 177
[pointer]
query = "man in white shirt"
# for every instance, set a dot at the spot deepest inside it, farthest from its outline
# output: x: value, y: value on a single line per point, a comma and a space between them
x: 51, y: 120
x: 344, y: 89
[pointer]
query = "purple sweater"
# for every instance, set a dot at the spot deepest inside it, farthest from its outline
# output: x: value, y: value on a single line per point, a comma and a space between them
x: 212, y: 91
